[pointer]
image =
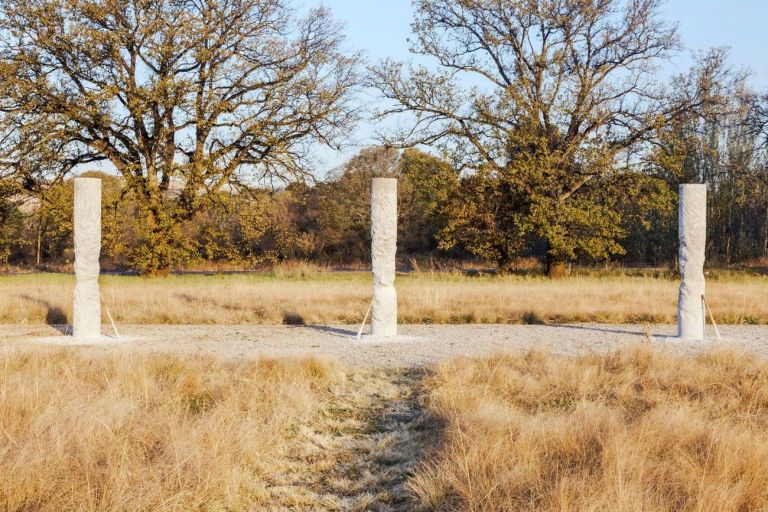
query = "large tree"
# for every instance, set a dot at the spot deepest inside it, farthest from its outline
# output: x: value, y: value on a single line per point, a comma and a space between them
x: 550, y: 98
x: 340, y: 206
x: 183, y: 97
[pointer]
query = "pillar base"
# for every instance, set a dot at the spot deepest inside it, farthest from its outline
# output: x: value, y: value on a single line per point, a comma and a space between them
x: 678, y: 339
x: 373, y: 338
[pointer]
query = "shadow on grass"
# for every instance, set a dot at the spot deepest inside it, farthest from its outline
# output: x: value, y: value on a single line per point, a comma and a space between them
x: 195, y: 301
x: 385, y: 440
x: 257, y: 312
x: 54, y: 315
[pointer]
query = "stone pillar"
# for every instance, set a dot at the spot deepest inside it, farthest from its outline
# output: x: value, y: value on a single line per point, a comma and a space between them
x: 383, y: 248
x: 86, y: 308
x: 693, y: 237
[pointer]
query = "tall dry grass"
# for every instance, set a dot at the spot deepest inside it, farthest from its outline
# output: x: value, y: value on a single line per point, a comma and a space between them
x: 305, y: 295
x: 638, y: 430
x: 641, y: 429
x: 124, y: 433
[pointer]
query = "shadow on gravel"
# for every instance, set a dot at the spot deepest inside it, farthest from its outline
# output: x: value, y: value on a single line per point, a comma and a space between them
x: 332, y: 330
x: 598, y: 329
x: 54, y: 315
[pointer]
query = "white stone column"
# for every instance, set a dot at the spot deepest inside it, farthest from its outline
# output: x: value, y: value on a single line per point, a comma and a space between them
x: 693, y: 238
x: 383, y: 249
x: 86, y: 308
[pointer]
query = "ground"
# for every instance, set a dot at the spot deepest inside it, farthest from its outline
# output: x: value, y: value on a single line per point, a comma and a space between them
x: 230, y: 410
x: 308, y: 418
x: 429, y: 344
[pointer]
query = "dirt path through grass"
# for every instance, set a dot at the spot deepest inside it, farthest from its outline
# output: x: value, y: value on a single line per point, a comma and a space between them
x: 185, y: 431
x: 360, y: 453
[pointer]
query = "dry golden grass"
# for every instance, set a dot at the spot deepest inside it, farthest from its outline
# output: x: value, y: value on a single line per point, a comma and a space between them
x: 342, y: 298
x: 150, y: 432
x: 157, y: 432
x: 641, y: 429
x: 637, y: 430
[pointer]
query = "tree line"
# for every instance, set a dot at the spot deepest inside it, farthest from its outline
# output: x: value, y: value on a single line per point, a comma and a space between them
x: 327, y: 222
x: 443, y: 215
x: 542, y: 129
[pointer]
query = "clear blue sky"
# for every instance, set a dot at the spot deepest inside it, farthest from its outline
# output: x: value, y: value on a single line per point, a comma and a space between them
x: 381, y: 29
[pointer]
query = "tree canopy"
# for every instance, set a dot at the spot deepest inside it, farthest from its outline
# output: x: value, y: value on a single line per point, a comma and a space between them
x: 565, y: 91
x: 192, y: 95
x: 539, y: 128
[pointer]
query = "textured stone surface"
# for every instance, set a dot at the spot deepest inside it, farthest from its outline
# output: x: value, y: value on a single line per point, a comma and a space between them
x: 383, y: 248
x: 86, y: 308
x: 693, y: 238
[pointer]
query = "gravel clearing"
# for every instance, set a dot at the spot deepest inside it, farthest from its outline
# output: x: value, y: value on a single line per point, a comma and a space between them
x: 422, y: 345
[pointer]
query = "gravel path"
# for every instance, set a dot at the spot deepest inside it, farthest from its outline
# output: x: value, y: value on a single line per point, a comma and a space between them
x: 422, y: 345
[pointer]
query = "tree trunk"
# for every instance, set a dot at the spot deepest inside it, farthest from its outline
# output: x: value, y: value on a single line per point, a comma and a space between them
x: 503, y: 263
x: 765, y: 234
x: 556, y: 268
x: 39, y: 244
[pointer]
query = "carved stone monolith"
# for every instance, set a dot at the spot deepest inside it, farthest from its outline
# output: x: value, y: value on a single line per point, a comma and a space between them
x: 693, y: 238
x: 86, y: 308
x: 383, y: 249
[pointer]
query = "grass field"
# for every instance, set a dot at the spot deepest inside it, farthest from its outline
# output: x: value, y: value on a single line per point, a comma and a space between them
x: 164, y: 433
x: 641, y: 429
x: 342, y: 298
x: 149, y: 433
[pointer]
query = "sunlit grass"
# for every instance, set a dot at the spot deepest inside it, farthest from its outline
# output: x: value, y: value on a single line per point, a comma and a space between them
x: 637, y: 430
x: 311, y: 296
x: 151, y: 432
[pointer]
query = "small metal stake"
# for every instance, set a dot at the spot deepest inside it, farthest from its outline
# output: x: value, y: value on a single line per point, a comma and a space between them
x: 712, y: 317
x: 111, y: 321
x: 365, y: 319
